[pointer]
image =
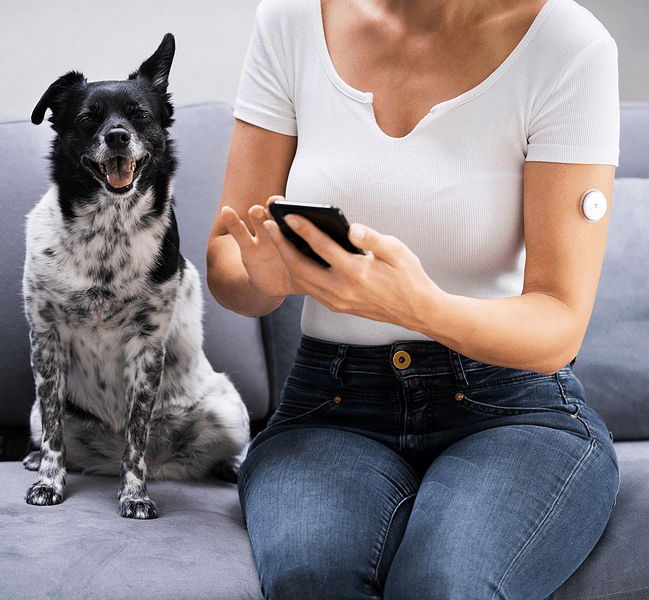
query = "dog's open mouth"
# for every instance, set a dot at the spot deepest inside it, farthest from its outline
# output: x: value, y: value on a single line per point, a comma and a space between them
x: 119, y: 172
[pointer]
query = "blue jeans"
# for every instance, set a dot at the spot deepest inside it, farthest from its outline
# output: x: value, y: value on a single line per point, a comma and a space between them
x: 410, y: 471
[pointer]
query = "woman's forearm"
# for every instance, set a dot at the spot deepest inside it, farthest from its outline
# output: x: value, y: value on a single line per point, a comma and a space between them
x: 532, y: 332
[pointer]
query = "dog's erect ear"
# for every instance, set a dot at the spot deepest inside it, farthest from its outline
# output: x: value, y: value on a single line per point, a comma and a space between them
x: 156, y: 68
x: 56, y: 94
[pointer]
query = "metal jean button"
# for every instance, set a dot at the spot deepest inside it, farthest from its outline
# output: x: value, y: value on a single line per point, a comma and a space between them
x: 401, y: 360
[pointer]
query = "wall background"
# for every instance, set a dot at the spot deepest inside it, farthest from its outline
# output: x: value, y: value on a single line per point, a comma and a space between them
x: 42, y: 39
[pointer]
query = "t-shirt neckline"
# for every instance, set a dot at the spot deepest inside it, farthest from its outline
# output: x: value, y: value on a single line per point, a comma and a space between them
x: 368, y: 97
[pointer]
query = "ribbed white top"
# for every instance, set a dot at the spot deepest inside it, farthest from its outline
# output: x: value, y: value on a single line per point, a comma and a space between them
x: 452, y: 188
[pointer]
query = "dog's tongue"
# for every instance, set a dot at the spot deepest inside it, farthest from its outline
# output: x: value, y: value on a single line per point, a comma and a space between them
x: 119, y: 171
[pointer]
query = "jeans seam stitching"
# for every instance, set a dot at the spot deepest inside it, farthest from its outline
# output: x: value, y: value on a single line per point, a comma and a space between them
x: 375, y: 569
x: 545, y: 517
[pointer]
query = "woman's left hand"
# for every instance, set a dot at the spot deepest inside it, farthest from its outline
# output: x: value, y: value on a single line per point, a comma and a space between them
x: 386, y: 284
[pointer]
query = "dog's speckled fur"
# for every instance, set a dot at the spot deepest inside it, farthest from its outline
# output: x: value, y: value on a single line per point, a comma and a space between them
x: 114, y: 310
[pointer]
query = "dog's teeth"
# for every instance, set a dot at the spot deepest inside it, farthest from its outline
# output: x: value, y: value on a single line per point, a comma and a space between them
x: 102, y: 168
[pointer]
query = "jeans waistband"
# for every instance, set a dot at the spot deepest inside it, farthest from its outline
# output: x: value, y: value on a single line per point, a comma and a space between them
x: 407, y: 358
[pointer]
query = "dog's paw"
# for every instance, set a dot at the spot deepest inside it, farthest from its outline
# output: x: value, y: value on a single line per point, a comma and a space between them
x: 138, y: 508
x: 43, y: 495
x: 32, y: 461
x: 227, y: 471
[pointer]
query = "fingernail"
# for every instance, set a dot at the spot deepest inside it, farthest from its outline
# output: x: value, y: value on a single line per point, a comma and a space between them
x: 268, y: 226
x: 291, y: 221
x: 357, y: 232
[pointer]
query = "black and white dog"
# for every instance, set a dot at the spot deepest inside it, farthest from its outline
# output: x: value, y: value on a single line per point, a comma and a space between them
x: 114, y: 309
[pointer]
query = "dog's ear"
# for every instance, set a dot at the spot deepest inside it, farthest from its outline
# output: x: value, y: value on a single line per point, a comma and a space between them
x: 156, y: 68
x: 56, y: 95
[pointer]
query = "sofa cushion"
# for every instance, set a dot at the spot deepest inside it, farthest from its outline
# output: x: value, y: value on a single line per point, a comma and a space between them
x: 634, y: 141
x: 197, y: 548
x: 613, y: 362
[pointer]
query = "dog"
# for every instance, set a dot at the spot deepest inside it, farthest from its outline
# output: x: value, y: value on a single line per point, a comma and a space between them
x: 122, y: 384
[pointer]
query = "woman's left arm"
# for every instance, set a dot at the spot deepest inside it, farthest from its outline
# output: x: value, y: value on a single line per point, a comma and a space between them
x: 541, y: 330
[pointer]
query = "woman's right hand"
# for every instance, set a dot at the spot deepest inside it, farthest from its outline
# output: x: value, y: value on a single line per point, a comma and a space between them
x: 259, y: 255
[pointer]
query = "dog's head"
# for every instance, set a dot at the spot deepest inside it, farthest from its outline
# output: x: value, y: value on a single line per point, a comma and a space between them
x: 109, y: 132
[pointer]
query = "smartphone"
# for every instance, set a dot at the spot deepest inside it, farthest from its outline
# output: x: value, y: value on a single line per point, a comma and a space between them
x: 329, y: 219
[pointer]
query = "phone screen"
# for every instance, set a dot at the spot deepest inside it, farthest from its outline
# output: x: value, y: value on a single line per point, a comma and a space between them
x: 327, y: 218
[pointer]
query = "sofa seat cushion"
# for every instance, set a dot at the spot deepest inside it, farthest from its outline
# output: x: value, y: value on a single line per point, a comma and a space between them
x: 197, y: 548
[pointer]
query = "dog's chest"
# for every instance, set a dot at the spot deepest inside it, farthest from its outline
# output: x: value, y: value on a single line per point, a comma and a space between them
x: 91, y: 276
x: 115, y: 243
x: 97, y: 262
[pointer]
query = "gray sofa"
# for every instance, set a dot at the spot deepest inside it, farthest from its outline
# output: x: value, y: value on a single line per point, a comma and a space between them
x: 199, y: 548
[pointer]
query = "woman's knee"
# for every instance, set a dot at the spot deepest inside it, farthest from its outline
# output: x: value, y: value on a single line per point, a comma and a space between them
x: 326, y: 511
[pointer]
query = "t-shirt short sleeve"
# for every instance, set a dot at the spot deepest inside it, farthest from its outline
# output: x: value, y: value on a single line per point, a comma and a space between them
x: 264, y: 97
x: 579, y: 121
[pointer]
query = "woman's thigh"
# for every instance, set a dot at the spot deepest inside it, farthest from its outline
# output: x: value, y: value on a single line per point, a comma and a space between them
x: 507, y: 513
x: 325, y: 510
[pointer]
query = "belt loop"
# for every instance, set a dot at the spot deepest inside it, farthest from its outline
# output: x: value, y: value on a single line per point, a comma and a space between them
x: 335, y: 365
x: 458, y: 369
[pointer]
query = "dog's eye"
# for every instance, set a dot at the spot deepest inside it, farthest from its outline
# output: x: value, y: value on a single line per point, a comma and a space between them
x: 140, y: 115
x: 87, y: 119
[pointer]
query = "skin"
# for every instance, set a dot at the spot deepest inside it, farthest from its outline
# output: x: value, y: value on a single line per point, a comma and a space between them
x: 413, y: 55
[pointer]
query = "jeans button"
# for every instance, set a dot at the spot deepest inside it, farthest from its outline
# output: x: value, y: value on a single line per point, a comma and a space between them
x: 401, y: 360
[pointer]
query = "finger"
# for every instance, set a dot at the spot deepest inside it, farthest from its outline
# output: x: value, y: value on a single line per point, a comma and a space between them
x: 385, y: 247
x: 237, y: 228
x: 273, y: 198
x: 258, y: 215
x: 325, y: 247
x: 289, y: 253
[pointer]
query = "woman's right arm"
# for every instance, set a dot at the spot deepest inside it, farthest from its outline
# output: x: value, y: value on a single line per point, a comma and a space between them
x: 244, y: 270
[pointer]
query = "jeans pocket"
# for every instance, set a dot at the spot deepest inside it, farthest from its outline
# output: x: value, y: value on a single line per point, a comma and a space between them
x: 505, y: 410
x: 554, y: 416
x: 300, y: 406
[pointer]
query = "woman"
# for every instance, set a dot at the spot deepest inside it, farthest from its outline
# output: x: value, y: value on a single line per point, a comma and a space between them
x: 432, y: 441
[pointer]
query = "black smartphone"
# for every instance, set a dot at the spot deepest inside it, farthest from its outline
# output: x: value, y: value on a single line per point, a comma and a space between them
x: 329, y: 219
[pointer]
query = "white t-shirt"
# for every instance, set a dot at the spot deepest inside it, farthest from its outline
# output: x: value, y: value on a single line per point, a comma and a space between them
x: 452, y: 189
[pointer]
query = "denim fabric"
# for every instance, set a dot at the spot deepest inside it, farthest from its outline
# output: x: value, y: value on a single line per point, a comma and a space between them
x: 424, y: 475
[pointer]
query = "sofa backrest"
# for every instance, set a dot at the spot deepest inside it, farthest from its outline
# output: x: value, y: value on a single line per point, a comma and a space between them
x: 234, y: 344
x: 613, y: 363
x: 256, y: 353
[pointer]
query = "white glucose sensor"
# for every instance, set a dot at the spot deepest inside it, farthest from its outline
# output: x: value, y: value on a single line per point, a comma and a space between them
x: 593, y: 205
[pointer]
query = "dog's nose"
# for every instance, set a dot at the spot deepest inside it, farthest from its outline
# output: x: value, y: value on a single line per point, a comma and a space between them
x: 117, y: 138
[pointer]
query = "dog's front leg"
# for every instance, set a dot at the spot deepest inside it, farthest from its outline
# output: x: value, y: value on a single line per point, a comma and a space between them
x: 50, y: 364
x: 143, y: 376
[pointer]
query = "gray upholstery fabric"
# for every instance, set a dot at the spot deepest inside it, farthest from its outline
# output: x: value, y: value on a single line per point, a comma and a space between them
x: 83, y: 550
x: 634, y: 141
x: 24, y: 176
